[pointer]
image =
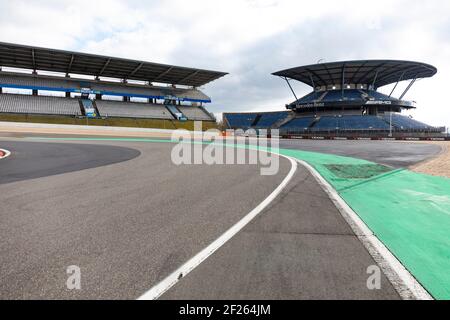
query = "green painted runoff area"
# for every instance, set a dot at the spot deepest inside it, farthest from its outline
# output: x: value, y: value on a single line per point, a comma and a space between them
x: 407, y: 211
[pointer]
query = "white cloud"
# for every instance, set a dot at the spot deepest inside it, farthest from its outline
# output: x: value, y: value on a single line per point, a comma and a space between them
x: 250, y: 39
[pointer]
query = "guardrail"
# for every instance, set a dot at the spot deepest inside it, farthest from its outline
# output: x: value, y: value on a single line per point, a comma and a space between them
x: 321, y: 137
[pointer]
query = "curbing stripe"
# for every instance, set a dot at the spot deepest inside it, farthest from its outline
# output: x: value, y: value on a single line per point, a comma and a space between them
x: 403, y: 281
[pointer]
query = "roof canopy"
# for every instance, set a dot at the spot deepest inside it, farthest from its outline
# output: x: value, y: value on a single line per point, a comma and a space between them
x: 35, y: 58
x: 376, y: 72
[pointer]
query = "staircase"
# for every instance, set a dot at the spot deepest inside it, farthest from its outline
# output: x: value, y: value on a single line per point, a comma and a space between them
x: 314, y: 122
x: 83, y: 113
x: 213, y: 117
x: 284, y: 121
x: 96, y: 109
x: 322, y: 96
x: 88, y: 108
x: 176, y: 113
x: 255, y: 122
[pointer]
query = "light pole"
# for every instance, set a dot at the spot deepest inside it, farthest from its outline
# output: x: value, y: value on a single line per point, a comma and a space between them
x: 390, y: 124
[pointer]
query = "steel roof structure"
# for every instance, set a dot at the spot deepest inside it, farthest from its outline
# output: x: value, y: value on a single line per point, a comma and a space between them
x: 371, y: 72
x: 36, y: 58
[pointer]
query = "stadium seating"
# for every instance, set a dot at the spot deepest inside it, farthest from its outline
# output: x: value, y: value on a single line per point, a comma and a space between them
x: 334, y: 95
x: 331, y: 95
x: 241, y: 120
x: 380, y: 96
x: 132, y: 110
x: 13, y: 103
x: 405, y: 123
x: 30, y: 81
x: 327, y: 123
x: 108, y: 88
x: 175, y: 112
x: 330, y: 123
x: 310, y: 98
x: 364, y: 123
x: 267, y: 120
x: 195, y: 113
x: 352, y: 95
x: 298, y: 124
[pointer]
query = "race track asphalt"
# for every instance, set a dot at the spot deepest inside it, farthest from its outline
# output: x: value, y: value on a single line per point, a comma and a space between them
x: 128, y: 217
x: 395, y: 154
x: 126, y: 225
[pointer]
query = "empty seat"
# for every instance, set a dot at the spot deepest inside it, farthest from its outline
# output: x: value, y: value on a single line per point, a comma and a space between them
x: 195, y: 113
x: 380, y: 96
x: 240, y: 120
x: 103, y: 87
x: 267, y: 120
x: 298, y: 124
x: 313, y: 96
x: 33, y: 81
x: 406, y: 123
x: 332, y: 123
x: 16, y: 103
x: 132, y: 110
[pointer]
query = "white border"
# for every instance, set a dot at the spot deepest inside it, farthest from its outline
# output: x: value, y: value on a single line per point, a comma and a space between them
x: 161, y: 288
x: 403, y: 281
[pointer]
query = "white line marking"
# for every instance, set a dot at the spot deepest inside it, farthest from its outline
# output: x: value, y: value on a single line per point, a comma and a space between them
x: 161, y: 288
x: 403, y: 281
x: 6, y: 152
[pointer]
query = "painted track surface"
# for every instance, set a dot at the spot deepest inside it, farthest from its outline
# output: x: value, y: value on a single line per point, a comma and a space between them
x: 391, y: 153
x: 33, y: 160
x: 299, y: 248
x: 127, y: 234
x: 126, y: 225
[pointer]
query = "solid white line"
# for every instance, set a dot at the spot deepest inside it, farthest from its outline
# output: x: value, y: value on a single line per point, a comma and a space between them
x: 6, y: 152
x: 403, y: 281
x: 158, y: 290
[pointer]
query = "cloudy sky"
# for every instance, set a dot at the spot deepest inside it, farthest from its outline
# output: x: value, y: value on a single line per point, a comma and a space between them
x: 250, y: 39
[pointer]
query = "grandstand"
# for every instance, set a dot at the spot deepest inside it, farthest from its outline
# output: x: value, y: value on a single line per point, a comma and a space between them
x: 345, y: 101
x: 61, y: 84
x: 133, y: 110
x: 16, y: 103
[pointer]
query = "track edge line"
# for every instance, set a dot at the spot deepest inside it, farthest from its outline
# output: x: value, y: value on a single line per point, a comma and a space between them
x: 166, y: 284
x: 403, y: 281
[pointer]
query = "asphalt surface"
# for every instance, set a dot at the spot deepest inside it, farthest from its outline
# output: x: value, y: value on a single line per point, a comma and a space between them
x: 391, y: 153
x: 128, y: 217
x: 126, y: 225
x: 299, y: 248
x: 35, y: 160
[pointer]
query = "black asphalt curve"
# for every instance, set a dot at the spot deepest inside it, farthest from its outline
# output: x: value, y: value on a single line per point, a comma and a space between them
x: 128, y: 217
x: 127, y: 225
x: 30, y: 160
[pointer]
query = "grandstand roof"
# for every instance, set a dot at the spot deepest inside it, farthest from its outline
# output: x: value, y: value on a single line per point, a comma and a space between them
x: 36, y: 58
x: 377, y: 72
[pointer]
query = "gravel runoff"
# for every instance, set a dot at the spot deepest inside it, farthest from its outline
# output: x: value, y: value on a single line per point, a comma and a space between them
x: 439, y: 165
